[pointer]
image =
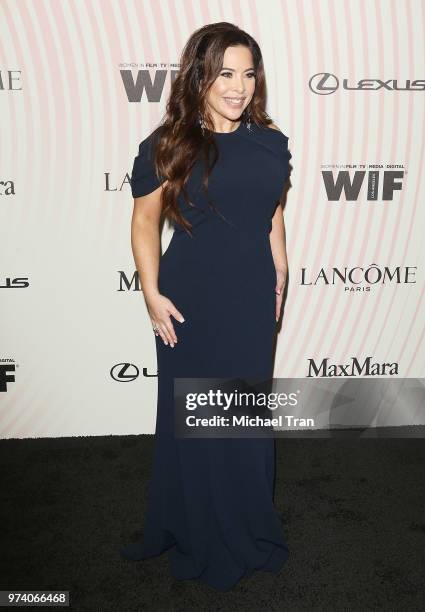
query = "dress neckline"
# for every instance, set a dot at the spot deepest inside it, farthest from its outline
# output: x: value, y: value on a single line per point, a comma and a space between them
x: 227, y: 134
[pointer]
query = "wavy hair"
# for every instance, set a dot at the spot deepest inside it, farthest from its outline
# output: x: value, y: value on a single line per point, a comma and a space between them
x: 181, y: 141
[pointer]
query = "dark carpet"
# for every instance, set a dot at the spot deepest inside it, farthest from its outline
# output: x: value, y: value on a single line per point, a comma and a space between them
x: 353, y: 515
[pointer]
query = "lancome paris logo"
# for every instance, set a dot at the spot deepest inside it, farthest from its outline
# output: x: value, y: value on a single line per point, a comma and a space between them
x: 325, y: 83
x: 359, y: 278
x: 147, y: 80
x: 371, y: 182
x: 10, y: 80
x: 353, y: 368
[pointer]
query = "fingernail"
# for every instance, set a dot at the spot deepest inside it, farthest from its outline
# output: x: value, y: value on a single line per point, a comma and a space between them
x: 182, y: 320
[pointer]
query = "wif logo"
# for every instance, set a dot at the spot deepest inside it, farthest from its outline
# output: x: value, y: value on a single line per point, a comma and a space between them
x: 140, y: 85
x: 377, y: 184
x: 7, y: 374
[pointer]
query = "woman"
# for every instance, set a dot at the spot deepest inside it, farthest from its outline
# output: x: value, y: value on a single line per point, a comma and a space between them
x: 214, y: 298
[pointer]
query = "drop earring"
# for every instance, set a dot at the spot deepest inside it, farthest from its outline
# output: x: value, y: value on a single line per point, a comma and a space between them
x: 201, y: 122
x: 248, y: 120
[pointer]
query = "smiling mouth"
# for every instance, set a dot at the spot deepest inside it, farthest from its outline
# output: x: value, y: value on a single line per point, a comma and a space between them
x: 234, y: 101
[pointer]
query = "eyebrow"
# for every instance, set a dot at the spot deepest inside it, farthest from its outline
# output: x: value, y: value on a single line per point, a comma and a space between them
x: 233, y: 70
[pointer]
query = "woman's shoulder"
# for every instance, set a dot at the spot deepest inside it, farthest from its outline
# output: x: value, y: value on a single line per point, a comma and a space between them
x: 273, y: 133
x: 271, y: 137
x: 150, y: 141
x: 144, y: 178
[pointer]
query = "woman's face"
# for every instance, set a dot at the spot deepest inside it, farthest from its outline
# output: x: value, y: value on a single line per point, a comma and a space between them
x: 233, y: 89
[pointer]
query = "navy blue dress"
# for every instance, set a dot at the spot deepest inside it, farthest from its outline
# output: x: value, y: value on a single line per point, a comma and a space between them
x: 210, y: 500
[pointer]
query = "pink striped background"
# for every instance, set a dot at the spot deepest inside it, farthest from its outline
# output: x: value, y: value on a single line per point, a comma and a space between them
x: 68, y: 126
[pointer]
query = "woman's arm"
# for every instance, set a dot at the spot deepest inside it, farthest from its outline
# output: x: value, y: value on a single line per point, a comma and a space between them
x: 278, y: 240
x: 278, y: 246
x: 146, y: 240
x: 146, y: 246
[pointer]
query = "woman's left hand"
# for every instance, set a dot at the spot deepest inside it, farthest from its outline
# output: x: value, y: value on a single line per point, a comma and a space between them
x: 280, y: 285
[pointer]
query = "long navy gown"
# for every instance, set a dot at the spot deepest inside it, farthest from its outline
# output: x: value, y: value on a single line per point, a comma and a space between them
x: 210, y: 501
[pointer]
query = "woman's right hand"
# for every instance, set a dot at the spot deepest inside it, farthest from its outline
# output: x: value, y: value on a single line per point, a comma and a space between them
x: 160, y: 308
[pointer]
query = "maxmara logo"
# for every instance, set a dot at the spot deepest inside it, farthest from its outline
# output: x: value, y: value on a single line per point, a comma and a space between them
x: 359, y: 278
x: 140, y: 83
x: 354, y: 368
x: 325, y: 83
x: 126, y: 284
x: 7, y: 187
x: 377, y: 184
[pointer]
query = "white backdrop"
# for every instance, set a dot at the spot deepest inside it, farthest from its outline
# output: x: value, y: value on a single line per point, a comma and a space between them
x: 84, y: 81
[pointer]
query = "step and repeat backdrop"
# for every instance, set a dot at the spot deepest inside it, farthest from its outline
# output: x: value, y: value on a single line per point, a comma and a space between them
x: 82, y: 82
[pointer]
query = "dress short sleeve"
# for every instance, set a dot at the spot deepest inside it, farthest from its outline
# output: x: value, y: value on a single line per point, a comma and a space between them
x: 143, y: 176
x: 285, y: 155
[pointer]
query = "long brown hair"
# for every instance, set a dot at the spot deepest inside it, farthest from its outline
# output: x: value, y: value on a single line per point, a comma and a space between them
x: 181, y: 141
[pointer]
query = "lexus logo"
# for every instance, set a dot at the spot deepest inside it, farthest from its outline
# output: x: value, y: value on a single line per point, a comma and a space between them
x: 127, y: 372
x: 325, y: 83
x: 124, y: 372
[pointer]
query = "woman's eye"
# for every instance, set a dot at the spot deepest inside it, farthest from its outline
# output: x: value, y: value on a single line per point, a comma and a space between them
x: 250, y: 74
